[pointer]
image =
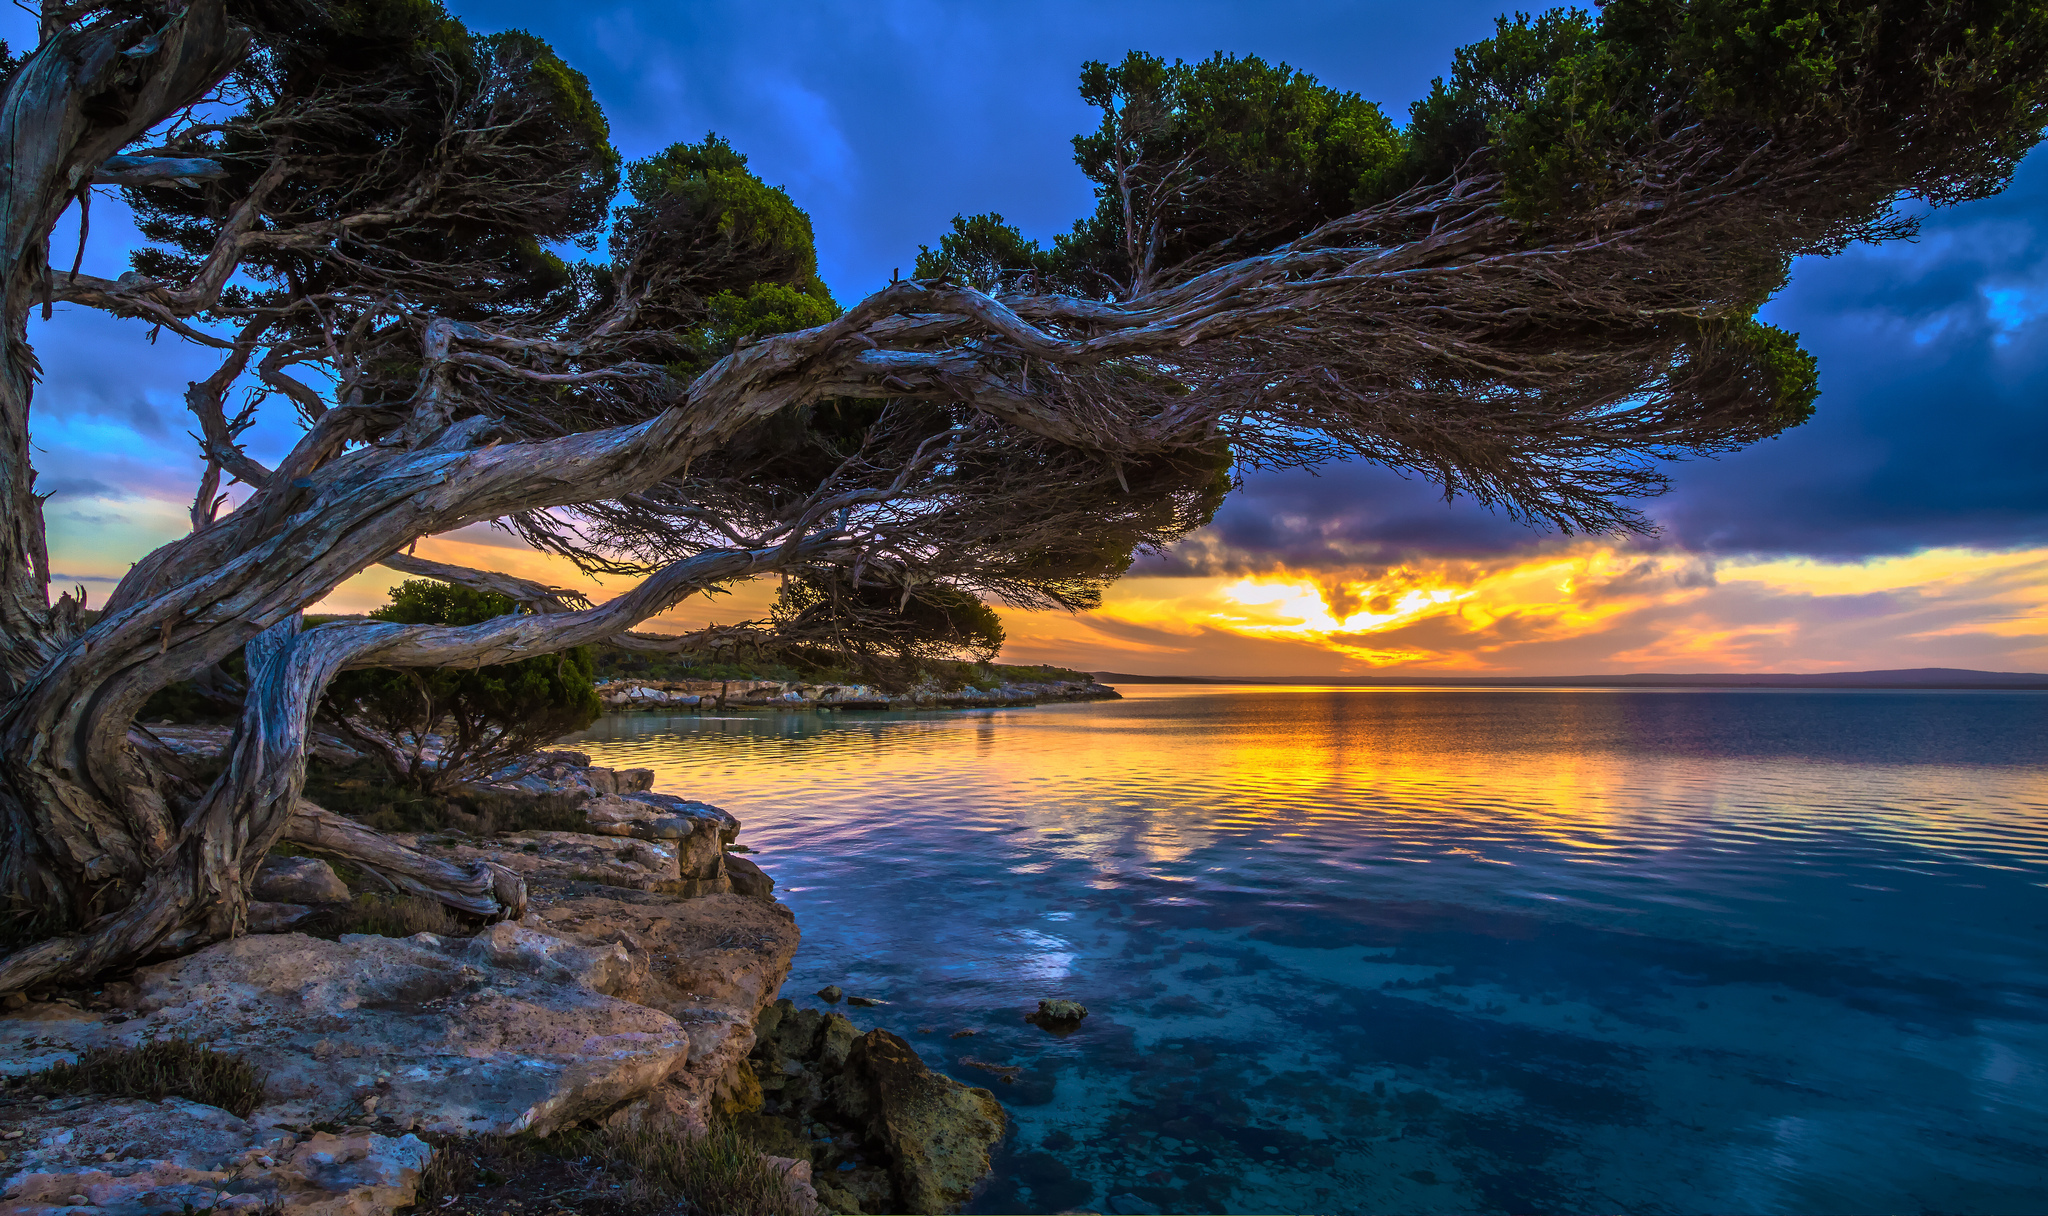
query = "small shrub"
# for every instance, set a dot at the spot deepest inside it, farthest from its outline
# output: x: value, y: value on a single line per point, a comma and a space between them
x: 386, y: 916
x: 157, y: 1071
x: 484, y: 715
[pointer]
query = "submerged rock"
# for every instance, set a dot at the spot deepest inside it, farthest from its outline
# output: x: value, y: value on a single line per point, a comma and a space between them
x: 1059, y: 1017
x: 830, y: 992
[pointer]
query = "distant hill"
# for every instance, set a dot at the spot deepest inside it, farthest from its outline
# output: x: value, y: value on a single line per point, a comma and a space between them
x: 1912, y: 677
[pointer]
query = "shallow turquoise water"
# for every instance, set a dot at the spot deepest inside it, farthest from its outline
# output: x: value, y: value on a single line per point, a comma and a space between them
x: 1354, y: 950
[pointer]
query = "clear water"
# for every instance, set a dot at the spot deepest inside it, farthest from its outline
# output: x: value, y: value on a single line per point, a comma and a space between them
x: 1437, y: 951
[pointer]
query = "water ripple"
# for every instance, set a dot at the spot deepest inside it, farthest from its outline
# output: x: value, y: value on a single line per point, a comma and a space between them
x: 1440, y: 950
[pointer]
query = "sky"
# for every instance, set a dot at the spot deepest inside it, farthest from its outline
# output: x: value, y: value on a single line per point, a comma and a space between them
x: 1905, y: 526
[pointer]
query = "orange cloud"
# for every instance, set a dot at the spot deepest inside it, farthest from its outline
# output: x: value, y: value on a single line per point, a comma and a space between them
x: 1578, y: 607
x: 1584, y: 607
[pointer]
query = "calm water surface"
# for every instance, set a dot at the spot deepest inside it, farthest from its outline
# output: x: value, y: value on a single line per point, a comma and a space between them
x: 1437, y: 951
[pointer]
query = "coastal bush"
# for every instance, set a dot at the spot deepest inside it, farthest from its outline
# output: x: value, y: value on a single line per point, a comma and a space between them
x: 475, y: 718
x: 159, y: 1070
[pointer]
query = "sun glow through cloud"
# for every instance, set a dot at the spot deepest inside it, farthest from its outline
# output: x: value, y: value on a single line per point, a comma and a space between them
x: 1588, y: 607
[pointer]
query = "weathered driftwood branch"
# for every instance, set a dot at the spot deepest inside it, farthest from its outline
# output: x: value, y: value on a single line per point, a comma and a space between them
x: 483, y: 889
x: 528, y: 594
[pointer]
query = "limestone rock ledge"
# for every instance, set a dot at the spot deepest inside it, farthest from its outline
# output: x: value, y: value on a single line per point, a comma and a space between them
x: 510, y: 1031
x: 604, y: 997
x: 177, y: 1156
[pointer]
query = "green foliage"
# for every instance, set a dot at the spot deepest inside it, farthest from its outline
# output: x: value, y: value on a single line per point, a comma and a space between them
x: 1219, y: 158
x: 485, y: 715
x: 487, y: 146
x: 1490, y: 81
x: 865, y: 622
x: 1778, y: 382
x: 618, y: 663
x: 767, y: 308
x: 988, y: 254
x: 158, y: 1070
x: 731, y: 256
x: 1944, y: 97
x: 368, y: 795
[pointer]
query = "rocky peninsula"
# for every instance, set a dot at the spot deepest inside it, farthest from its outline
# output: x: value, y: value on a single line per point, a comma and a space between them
x: 629, y: 694
x: 637, y: 991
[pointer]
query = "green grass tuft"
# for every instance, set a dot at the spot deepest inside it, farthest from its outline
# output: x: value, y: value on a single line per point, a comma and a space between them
x: 172, y: 1068
x: 719, y: 1171
x: 659, y: 1167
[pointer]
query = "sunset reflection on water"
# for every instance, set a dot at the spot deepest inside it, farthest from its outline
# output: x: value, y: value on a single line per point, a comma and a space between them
x: 1620, y: 941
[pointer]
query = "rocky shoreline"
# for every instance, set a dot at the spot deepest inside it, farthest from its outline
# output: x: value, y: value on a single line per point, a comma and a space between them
x: 795, y: 695
x: 639, y: 988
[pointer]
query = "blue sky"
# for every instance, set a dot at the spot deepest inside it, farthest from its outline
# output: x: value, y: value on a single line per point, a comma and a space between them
x: 886, y: 119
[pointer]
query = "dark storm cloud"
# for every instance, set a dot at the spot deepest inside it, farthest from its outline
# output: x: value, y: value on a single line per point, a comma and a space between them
x: 58, y: 489
x: 1933, y: 421
x: 1346, y: 517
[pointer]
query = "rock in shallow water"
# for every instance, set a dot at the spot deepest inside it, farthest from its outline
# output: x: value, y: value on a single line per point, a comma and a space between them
x: 884, y: 1132
x: 748, y: 879
x: 1059, y: 1017
x: 937, y: 1131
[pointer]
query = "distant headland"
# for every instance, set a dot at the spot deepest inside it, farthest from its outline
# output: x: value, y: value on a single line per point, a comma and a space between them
x: 1912, y: 677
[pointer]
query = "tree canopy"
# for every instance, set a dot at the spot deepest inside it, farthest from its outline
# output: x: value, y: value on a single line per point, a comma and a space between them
x: 421, y: 240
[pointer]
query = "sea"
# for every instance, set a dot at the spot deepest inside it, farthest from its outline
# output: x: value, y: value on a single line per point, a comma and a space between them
x: 1435, y: 950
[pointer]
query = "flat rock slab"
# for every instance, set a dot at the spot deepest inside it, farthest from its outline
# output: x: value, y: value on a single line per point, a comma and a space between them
x: 554, y: 773
x: 713, y: 964
x: 130, y: 1157
x: 507, y: 1032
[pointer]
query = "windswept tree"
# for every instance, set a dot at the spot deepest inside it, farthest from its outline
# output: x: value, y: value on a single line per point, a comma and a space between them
x: 1541, y: 285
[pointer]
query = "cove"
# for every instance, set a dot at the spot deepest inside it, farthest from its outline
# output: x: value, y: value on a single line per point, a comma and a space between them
x: 1354, y: 950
